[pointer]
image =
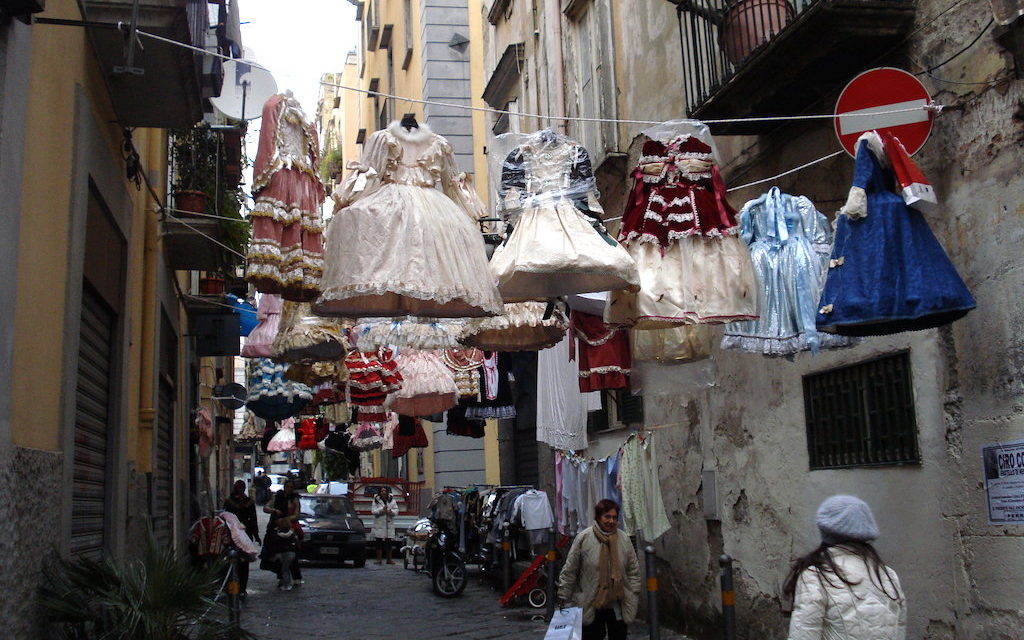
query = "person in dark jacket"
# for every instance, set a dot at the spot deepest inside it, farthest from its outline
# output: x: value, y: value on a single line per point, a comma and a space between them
x: 284, y: 506
x: 282, y: 546
x: 244, y: 508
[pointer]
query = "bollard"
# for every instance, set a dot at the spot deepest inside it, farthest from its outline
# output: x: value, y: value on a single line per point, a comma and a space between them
x: 506, y: 559
x: 653, y: 626
x: 728, y: 599
x: 234, y: 603
x: 552, y: 558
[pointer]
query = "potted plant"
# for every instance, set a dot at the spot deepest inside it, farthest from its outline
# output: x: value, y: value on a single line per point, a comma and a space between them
x: 156, y: 597
x: 747, y: 24
x: 194, y: 156
x: 211, y: 284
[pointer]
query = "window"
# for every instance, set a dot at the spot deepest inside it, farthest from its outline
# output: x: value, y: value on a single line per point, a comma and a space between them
x: 861, y: 415
x: 618, y: 409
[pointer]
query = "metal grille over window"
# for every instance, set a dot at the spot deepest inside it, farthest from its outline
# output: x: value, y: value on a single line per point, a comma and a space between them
x: 861, y: 415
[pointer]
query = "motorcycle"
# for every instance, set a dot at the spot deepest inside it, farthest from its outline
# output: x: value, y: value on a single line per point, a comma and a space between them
x: 442, y: 560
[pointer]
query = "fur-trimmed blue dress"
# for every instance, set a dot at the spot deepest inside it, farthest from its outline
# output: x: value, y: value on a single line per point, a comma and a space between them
x: 888, y: 272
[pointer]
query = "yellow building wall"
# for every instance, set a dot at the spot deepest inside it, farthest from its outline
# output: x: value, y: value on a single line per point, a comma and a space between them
x: 61, y: 61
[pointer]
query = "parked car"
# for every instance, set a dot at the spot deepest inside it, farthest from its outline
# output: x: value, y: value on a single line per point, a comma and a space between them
x: 332, y: 530
x: 276, y: 482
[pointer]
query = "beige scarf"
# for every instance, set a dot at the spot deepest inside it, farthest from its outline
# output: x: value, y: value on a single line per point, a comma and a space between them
x: 610, y: 583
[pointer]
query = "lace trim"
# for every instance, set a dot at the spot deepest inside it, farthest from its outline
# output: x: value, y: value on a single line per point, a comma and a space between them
x: 597, y: 342
x: 774, y: 347
x: 489, y: 304
x: 603, y: 370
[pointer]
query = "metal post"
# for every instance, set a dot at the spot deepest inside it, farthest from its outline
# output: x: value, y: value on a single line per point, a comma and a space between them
x: 234, y: 604
x: 728, y: 599
x: 653, y: 626
x: 506, y: 559
x: 552, y: 572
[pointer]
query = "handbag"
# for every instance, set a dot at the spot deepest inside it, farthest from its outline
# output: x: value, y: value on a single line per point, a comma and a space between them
x: 566, y: 624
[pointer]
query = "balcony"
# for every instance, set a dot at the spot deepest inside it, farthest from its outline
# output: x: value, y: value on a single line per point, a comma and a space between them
x: 744, y: 58
x: 191, y: 244
x: 163, y: 85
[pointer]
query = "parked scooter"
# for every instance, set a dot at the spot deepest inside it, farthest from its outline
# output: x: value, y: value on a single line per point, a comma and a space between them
x: 443, y: 560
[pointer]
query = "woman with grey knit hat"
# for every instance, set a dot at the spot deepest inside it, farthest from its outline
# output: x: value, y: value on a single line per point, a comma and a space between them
x: 842, y: 590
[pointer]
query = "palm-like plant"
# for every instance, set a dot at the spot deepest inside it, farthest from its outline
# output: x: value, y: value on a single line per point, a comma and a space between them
x: 157, y: 597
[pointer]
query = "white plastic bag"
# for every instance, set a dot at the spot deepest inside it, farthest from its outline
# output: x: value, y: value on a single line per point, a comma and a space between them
x: 566, y: 624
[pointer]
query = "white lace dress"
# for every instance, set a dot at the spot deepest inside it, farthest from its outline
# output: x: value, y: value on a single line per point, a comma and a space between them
x: 397, y: 245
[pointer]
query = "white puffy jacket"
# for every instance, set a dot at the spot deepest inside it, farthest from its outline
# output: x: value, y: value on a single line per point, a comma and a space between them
x: 859, y: 612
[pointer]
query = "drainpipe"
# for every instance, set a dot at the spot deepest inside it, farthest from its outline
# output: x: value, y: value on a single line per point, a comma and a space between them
x: 148, y: 365
x: 556, y: 88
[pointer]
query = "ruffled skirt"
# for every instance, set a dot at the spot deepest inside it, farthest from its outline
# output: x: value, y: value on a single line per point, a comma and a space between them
x: 406, y: 250
x: 554, y: 251
x: 698, y: 280
x: 428, y: 386
x: 523, y: 327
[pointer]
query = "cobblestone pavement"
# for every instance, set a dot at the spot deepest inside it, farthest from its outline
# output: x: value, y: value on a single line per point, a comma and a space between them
x: 384, y: 602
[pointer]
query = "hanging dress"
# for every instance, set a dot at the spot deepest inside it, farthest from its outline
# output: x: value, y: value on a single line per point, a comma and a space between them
x: 888, y: 272
x: 271, y: 397
x: 397, y: 245
x: 602, y: 353
x: 524, y: 326
x: 557, y: 244
x: 789, y: 242
x: 681, y: 231
x: 304, y: 337
x: 286, y: 252
x: 424, y: 334
x: 258, y: 343
x: 427, y: 384
x: 372, y: 377
x: 496, y: 399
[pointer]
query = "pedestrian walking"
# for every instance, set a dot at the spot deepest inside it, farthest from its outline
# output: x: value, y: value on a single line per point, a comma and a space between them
x: 262, y: 483
x: 384, y: 510
x: 602, y: 575
x: 842, y: 589
x: 284, y: 507
x: 244, y: 508
x: 280, y: 551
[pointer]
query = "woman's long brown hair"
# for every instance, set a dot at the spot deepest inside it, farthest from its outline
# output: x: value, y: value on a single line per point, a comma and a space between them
x: 827, y: 569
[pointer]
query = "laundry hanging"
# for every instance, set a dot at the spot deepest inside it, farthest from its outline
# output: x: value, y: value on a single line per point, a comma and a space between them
x: 372, y: 376
x: 417, y: 333
x: 396, y: 245
x: 676, y: 345
x: 888, y: 272
x: 681, y: 231
x: 271, y: 397
x: 789, y: 242
x: 642, y: 505
x: 561, y: 406
x: 555, y: 243
x: 286, y: 252
x: 495, y: 399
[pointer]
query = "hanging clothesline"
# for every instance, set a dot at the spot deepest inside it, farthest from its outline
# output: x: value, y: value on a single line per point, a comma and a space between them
x: 937, y: 108
x: 569, y: 455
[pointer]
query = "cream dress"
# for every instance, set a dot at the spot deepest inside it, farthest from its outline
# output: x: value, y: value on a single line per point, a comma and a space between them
x: 397, y: 245
x: 554, y: 248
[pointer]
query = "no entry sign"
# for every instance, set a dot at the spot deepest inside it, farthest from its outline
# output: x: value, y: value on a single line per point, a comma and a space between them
x: 863, y: 104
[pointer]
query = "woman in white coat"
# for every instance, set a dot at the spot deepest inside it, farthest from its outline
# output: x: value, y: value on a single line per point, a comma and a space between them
x: 602, y: 575
x: 384, y: 510
x: 842, y: 590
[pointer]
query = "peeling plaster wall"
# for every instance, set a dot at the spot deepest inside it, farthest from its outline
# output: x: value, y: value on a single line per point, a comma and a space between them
x: 960, y: 574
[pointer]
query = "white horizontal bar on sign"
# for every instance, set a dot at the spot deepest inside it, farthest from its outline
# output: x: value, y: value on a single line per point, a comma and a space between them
x: 873, y: 117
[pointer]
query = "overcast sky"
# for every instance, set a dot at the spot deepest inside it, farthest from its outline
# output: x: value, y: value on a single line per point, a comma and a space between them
x: 298, y: 41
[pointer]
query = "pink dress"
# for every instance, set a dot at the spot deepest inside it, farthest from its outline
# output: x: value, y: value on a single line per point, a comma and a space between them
x: 286, y: 252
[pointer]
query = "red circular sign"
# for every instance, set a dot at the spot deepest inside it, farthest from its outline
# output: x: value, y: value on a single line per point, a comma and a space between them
x: 868, y: 97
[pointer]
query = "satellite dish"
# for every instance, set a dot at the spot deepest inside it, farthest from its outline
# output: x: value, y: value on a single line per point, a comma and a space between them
x: 247, y: 86
x: 230, y: 395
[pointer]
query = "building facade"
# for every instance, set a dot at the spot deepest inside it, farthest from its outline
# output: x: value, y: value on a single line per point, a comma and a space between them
x: 737, y: 472
x: 100, y: 376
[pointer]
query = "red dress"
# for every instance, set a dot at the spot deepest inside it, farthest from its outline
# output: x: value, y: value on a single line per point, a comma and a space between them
x: 603, y: 354
x: 371, y: 378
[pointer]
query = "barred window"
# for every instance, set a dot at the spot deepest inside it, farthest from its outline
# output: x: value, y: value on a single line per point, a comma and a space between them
x: 861, y: 415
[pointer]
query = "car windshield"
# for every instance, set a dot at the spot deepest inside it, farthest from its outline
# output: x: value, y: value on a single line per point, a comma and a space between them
x: 325, y: 507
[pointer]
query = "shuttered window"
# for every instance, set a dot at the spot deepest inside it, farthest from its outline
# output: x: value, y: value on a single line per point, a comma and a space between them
x: 92, y: 420
x: 861, y: 415
x: 162, y: 483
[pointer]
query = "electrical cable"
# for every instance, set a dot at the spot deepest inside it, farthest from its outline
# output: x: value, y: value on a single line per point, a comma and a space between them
x: 958, y: 53
x: 786, y: 173
x: 207, y: 236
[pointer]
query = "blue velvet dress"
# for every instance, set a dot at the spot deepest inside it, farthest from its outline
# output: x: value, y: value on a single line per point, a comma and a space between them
x: 888, y: 272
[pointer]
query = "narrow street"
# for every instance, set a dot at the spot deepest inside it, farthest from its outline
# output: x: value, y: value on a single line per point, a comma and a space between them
x: 387, y: 601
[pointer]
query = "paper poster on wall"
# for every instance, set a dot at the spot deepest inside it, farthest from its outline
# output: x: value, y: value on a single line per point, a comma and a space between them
x: 1003, y: 463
